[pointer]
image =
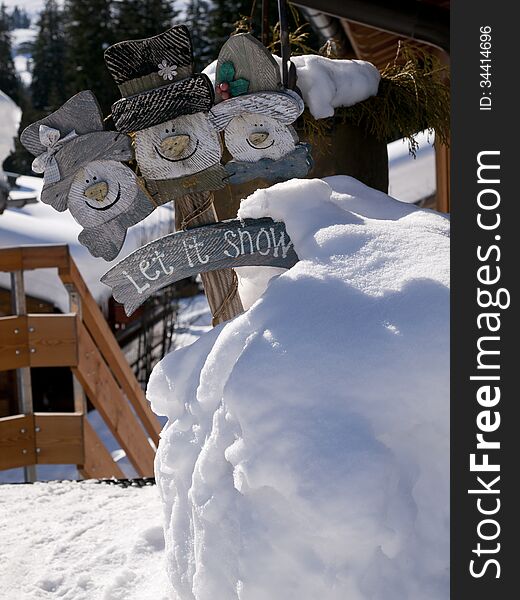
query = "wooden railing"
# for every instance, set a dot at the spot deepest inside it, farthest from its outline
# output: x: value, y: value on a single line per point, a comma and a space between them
x: 83, y: 341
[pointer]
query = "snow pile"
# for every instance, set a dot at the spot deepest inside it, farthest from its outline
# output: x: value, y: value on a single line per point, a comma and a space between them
x: 306, y: 453
x: 81, y: 541
x: 327, y: 84
x: 40, y: 224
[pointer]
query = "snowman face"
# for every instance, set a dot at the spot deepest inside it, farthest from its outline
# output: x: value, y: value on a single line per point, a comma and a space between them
x: 100, y: 191
x: 250, y: 137
x: 182, y: 146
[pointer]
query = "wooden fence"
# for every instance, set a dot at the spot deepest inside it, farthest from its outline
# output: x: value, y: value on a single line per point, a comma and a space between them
x: 83, y: 341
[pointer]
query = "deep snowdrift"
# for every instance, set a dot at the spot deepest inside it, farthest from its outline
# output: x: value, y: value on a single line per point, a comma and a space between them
x: 306, y: 454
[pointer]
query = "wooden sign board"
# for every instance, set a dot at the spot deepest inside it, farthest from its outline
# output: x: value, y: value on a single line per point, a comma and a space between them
x: 223, y: 245
x: 296, y: 164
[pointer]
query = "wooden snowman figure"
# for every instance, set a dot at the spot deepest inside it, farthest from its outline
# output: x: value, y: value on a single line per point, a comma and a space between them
x: 83, y: 171
x: 166, y: 107
x: 178, y: 148
x: 255, y: 113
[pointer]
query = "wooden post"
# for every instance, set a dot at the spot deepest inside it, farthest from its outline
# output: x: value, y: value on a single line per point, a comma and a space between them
x: 80, y: 400
x: 221, y: 287
x: 23, y: 374
x: 442, y: 171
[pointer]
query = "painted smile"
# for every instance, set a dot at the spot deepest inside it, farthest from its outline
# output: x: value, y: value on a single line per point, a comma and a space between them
x: 259, y: 147
x: 177, y: 159
x: 118, y: 195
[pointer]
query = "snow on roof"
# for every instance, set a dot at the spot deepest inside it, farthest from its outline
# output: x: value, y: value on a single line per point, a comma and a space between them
x: 82, y: 541
x: 327, y: 84
x: 308, y: 439
x: 40, y: 224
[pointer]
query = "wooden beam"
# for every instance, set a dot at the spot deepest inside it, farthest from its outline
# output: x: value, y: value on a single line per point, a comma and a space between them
x: 98, y: 328
x: 109, y: 399
x: 98, y: 463
x: 58, y: 438
x: 53, y: 340
x: 218, y: 285
x: 38, y: 341
x: 442, y: 171
x: 17, y: 442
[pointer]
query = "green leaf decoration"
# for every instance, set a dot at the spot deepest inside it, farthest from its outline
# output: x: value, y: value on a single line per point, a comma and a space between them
x: 240, y: 86
x: 226, y: 72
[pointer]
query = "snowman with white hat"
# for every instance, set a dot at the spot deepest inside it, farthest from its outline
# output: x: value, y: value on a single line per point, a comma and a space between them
x: 256, y: 113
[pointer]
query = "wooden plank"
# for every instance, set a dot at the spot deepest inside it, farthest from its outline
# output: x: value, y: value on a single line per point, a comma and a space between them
x: 52, y: 340
x: 212, y: 178
x: 198, y: 250
x: 25, y: 258
x: 296, y: 164
x: 98, y: 462
x: 106, y: 342
x: 17, y: 442
x: 108, y: 398
x: 59, y: 438
x: 14, y: 348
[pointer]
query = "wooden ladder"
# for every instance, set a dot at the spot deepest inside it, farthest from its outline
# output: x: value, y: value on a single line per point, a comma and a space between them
x: 83, y: 341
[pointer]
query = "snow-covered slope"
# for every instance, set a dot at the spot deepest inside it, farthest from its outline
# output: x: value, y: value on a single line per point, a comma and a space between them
x: 81, y: 541
x: 306, y: 454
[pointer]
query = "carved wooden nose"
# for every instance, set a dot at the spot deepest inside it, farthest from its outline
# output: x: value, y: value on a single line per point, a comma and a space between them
x: 97, y: 191
x: 258, y: 138
x: 174, y: 145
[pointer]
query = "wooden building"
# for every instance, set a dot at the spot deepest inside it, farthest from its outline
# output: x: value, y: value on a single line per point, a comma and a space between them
x: 371, y: 30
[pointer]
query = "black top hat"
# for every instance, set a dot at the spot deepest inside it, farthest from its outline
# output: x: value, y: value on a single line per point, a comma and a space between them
x: 155, y: 76
x: 69, y: 139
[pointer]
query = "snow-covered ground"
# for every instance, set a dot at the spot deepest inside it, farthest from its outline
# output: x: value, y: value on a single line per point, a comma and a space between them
x: 81, y: 541
x: 306, y: 454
